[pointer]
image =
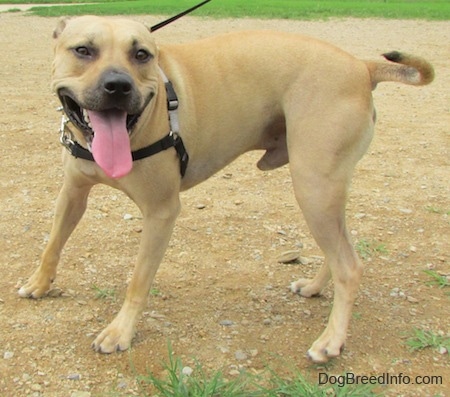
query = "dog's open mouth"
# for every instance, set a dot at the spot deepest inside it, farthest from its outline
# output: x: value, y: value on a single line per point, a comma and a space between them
x: 106, y: 133
x: 80, y: 117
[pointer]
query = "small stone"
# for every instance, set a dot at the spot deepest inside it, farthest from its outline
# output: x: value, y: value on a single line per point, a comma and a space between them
x: 396, y: 292
x: 412, y: 299
x: 289, y: 256
x: 443, y: 350
x: 254, y: 352
x: 8, y: 355
x: 127, y: 217
x: 55, y: 292
x: 412, y: 248
x: 226, y: 323
x: 304, y: 261
x: 240, y: 355
x: 234, y: 372
x: 74, y: 377
x: 187, y: 371
x: 200, y: 206
x: 405, y: 211
x: 122, y: 385
x: 26, y: 377
x: 36, y: 387
x: 267, y: 321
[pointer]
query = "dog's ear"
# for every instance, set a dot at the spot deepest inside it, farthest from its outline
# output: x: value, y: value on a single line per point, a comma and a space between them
x: 60, y: 27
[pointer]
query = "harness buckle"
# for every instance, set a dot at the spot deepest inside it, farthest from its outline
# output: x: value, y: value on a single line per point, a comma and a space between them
x: 65, y: 136
x: 181, y: 152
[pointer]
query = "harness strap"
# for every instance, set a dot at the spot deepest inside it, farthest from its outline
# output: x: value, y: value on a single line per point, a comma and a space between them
x: 172, y: 139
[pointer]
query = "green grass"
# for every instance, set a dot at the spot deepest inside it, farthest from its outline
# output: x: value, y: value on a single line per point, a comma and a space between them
x: 437, y: 279
x: 367, y: 249
x: 104, y: 293
x: 181, y: 381
x: 436, y: 210
x: 287, y: 9
x: 427, y: 339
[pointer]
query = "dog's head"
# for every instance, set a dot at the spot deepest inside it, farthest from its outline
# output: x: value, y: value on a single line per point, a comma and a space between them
x: 105, y: 72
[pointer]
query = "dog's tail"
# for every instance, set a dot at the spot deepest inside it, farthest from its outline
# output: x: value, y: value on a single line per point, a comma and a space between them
x: 407, y: 69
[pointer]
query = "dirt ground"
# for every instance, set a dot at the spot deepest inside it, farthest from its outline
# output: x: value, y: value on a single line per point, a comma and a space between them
x: 220, y: 295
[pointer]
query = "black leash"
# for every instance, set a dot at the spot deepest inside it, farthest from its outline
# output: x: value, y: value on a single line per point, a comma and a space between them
x: 174, y: 18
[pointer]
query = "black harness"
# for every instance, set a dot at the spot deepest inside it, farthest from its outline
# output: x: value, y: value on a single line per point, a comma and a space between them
x: 169, y: 141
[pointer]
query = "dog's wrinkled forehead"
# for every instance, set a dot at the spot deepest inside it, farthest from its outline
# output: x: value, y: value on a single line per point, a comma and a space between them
x: 102, y: 31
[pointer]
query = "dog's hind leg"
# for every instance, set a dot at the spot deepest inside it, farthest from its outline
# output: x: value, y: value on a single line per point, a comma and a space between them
x: 321, y: 166
x: 312, y: 287
x: 322, y: 202
x: 70, y: 207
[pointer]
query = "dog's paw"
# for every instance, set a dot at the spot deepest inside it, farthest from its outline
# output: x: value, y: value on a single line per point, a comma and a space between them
x: 325, y: 348
x: 305, y: 287
x: 37, y: 287
x: 113, y: 339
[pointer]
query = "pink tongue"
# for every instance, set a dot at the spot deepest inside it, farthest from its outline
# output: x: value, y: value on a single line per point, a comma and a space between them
x: 111, y: 145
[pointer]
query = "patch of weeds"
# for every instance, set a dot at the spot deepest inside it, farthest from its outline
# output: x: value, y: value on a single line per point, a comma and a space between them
x: 154, y: 292
x: 436, y: 210
x: 433, y: 210
x: 367, y: 249
x: 437, y: 279
x: 357, y: 315
x: 423, y: 339
x: 181, y: 381
x: 104, y: 293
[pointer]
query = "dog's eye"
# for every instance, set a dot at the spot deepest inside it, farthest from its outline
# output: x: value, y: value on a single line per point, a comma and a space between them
x: 142, y: 56
x: 83, y: 51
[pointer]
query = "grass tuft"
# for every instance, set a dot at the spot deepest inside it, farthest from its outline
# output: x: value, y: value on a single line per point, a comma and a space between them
x: 437, y: 279
x: 423, y: 339
x: 367, y: 249
x: 104, y: 293
x: 181, y: 381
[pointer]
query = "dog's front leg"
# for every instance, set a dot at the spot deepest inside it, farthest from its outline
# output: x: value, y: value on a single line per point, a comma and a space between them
x: 70, y: 207
x: 156, y: 234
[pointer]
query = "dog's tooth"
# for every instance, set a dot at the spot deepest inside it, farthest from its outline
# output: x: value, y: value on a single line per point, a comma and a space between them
x: 86, y: 116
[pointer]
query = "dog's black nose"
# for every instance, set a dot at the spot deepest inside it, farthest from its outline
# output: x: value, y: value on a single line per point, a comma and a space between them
x: 117, y: 84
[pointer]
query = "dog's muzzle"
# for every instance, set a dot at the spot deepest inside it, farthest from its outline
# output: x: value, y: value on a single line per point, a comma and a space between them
x: 115, y: 92
x: 106, y: 115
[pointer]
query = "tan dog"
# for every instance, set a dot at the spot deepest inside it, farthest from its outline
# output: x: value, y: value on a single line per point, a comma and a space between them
x: 300, y: 100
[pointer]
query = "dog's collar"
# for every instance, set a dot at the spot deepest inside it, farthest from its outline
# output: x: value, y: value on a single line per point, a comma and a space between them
x: 172, y: 139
